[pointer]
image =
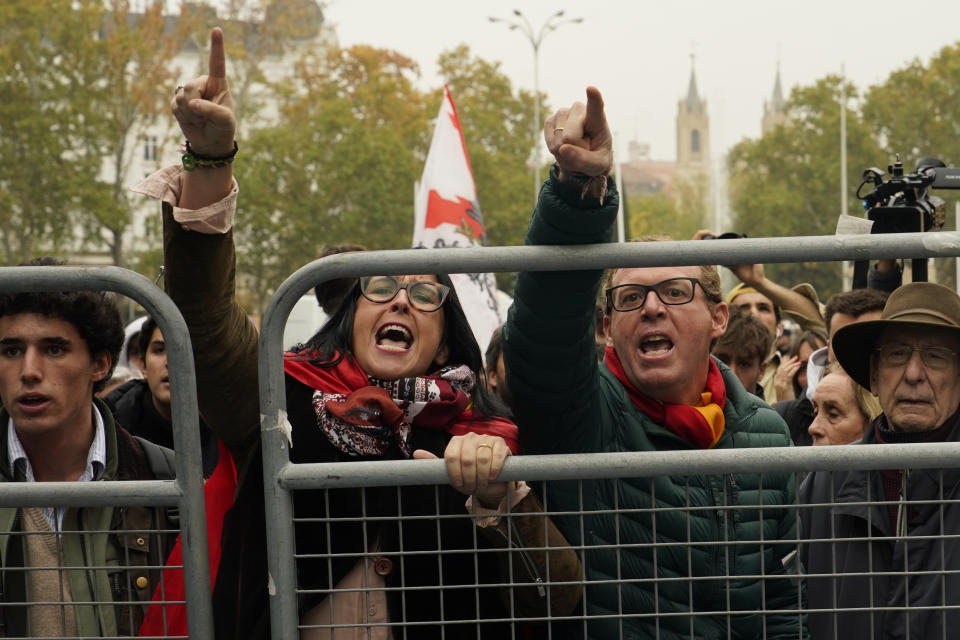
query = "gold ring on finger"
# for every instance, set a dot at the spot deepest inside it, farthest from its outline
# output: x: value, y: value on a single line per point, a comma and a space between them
x: 557, y: 130
x: 485, y: 444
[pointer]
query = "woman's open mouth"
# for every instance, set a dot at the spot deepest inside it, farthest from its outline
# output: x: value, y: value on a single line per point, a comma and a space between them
x: 394, y: 337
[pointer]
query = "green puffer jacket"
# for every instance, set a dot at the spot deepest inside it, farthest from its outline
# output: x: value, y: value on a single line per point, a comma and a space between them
x: 565, y: 403
x: 125, y: 551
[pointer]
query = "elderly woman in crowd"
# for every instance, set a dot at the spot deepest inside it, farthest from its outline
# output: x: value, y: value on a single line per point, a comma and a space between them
x: 843, y: 409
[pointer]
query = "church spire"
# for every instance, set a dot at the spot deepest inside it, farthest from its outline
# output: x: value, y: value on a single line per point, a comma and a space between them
x: 693, y: 97
x: 773, y: 113
x: 777, y: 101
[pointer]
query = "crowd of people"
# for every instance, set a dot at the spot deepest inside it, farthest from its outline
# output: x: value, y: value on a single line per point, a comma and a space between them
x: 646, y: 359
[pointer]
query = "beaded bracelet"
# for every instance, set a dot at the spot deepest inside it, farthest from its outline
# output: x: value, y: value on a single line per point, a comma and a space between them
x: 191, y: 159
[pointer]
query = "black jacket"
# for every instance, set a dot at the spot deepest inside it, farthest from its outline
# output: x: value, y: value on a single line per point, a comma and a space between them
x: 798, y: 414
x: 925, y: 550
x: 333, y: 523
x: 132, y: 406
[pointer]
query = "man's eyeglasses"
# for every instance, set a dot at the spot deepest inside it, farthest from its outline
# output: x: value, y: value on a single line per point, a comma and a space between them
x: 898, y: 355
x: 423, y: 294
x: 627, y: 297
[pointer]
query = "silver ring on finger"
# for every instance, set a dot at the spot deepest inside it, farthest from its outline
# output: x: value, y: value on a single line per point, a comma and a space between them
x: 177, y: 90
x: 558, y: 130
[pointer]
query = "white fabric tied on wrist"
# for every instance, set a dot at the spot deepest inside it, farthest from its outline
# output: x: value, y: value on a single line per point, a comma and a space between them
x: 483, y: 517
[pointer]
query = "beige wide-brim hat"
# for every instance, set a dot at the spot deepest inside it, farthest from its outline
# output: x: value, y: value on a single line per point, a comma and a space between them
x: 920, y: 304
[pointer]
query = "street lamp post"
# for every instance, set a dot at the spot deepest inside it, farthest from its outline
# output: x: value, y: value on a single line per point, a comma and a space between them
x: 535, y: 38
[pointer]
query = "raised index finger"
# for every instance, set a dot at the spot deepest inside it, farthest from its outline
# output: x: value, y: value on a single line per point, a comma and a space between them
x: 218, y: 61
x: 595, y: 119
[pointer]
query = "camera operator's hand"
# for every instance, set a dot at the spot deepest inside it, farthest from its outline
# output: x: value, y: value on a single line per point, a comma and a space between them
x: 579, y: 137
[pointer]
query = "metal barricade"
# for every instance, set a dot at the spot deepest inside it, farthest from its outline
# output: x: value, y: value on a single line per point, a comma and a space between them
x: 185, y: 493
x: 283, y: 477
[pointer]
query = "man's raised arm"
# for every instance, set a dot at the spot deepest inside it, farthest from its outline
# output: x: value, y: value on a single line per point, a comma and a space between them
x: 549, y: 348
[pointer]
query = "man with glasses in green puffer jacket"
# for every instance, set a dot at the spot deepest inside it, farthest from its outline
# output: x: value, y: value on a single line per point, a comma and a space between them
x: 668, y: 557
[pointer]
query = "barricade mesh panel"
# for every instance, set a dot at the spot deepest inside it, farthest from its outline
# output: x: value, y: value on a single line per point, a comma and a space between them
x: 412, y: 567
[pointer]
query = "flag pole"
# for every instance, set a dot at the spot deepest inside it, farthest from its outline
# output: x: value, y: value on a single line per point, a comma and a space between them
x: 621, y: 235
x: 845, y: 265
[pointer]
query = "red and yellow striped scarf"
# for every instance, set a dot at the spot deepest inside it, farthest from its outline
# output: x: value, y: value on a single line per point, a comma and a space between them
x: 700, y: 425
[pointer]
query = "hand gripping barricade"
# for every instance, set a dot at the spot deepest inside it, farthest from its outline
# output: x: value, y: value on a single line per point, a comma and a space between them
x: 282, y: 477
x: 185, y: 493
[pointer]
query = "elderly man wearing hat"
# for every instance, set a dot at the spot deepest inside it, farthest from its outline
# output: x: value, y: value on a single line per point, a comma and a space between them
x: 891, y: 523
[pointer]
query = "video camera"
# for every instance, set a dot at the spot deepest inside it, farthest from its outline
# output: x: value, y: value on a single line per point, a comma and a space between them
x: 902, y: 204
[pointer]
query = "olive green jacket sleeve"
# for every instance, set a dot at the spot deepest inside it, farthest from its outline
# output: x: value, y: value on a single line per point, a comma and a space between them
x: 200, y: 277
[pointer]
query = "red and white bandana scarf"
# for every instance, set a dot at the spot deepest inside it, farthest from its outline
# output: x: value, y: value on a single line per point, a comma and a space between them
x: 363, y: 416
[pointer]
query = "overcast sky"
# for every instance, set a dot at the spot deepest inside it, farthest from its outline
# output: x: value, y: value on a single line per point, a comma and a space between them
x: 638, y: 52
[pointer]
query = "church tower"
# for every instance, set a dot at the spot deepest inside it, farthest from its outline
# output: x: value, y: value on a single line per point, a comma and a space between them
x: 773, y: 113
x: 692, y: 177
x: 693, y: 132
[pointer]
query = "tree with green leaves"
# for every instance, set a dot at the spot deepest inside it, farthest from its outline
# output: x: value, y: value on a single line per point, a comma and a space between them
x: 787, y: 183
x: 339, y: 168
x: 135, y: 54
x: 49, y: 92
x: 913, y: 114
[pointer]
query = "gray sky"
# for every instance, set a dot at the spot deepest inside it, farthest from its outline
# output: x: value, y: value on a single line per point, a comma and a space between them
x: 638, y: 53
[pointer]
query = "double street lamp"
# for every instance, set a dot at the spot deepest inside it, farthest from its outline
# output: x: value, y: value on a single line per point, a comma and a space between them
x: 535, y: 37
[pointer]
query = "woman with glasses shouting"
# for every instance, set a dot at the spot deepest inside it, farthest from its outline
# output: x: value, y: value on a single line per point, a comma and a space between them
x: 394, y: 374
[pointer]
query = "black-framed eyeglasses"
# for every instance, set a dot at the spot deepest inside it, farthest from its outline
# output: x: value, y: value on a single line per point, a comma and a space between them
x: 627, y: 297
x: 423, y: 294
x: 898, y: 355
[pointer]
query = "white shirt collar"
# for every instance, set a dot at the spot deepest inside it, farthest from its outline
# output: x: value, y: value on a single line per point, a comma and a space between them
x: 96, y: 456
x: 96, y: 463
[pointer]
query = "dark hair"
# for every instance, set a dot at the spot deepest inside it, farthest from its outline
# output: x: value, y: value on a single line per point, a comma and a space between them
x: 745, y: 334
x: 854, y: 303
x: 93, y: 314
x: 494, y: 348
x: 334, y: 340
x: 144, y: 336
x: 330, y: 293
x: 811, y: 339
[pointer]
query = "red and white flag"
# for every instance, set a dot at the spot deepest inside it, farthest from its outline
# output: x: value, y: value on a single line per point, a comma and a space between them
x: 447, y: 215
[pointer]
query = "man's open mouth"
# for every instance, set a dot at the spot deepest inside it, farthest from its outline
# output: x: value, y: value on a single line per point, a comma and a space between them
x: 31, y: 400
x: 656, y: 345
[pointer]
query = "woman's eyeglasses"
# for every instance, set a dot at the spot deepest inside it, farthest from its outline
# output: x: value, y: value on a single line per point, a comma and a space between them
x: 423, y: 294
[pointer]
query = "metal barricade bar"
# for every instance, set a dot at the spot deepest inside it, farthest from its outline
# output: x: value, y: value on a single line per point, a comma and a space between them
x: 187, y: 490
x: 274, y: 429
x: 637, y: 464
